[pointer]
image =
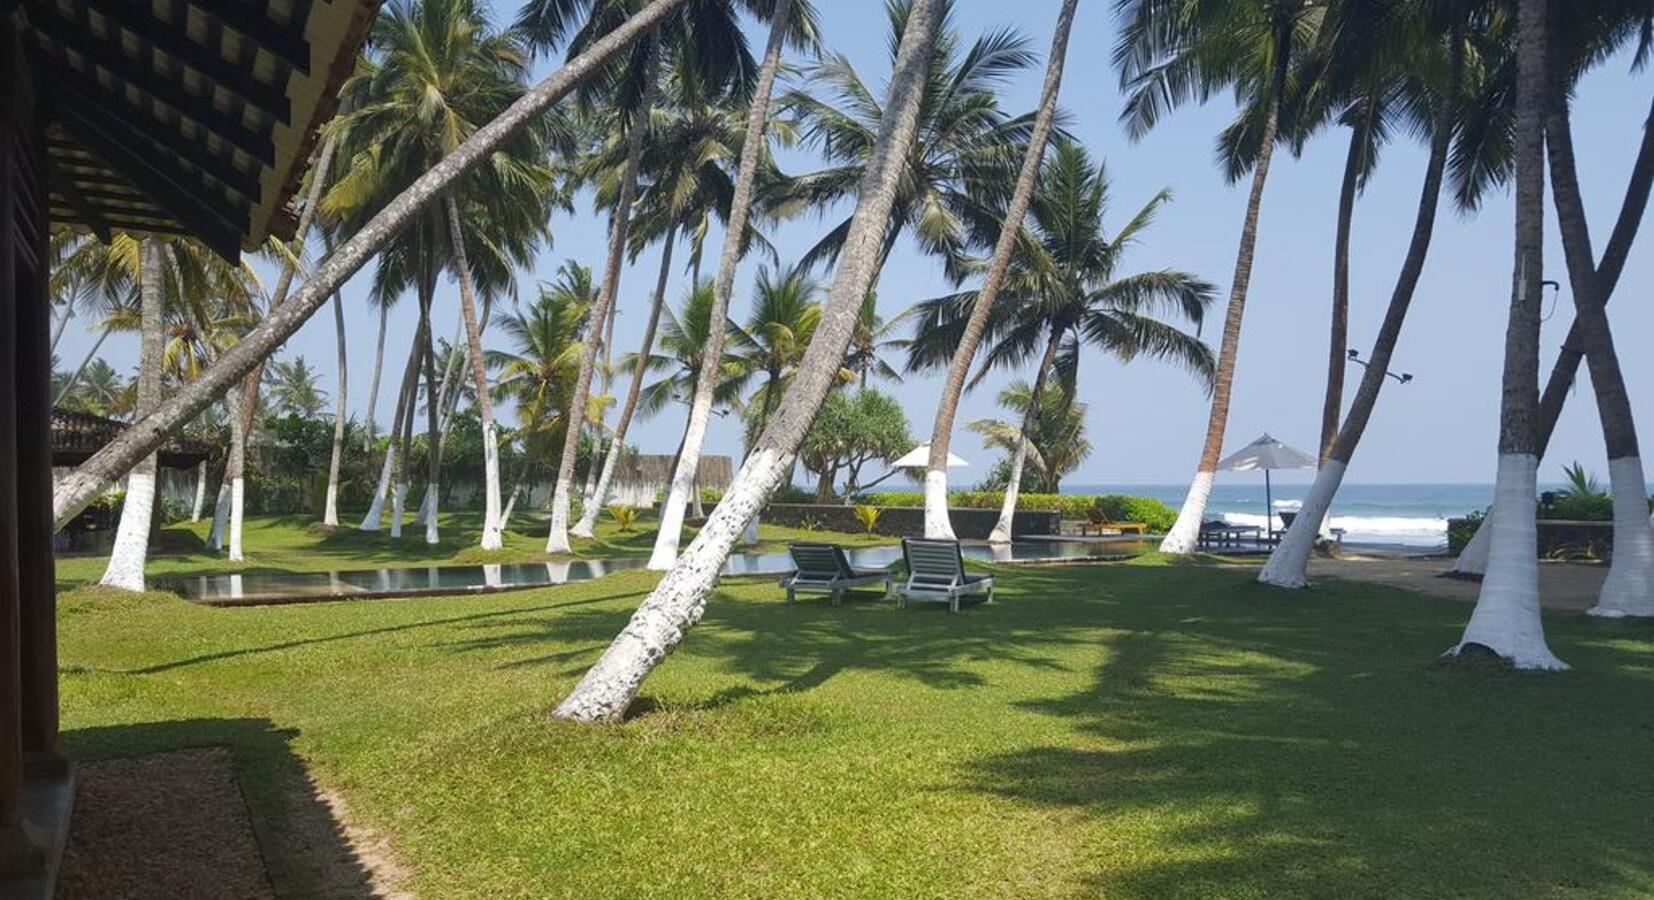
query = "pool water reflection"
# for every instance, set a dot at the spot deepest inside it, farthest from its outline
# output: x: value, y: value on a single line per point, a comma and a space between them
x: 310, y: 587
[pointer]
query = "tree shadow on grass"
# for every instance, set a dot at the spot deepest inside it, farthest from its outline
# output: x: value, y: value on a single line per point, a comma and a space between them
x: 1272, y: 744
x: 305, y: 849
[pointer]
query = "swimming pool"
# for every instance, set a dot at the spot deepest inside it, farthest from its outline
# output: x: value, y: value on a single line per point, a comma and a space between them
x: 361, y: 584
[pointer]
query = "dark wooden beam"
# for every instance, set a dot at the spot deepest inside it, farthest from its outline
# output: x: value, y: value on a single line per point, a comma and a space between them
x: 54, y: 32
x: 105, y: 197
x: 208, y: 62
x: 248, y: 20
x: 165, y: 185
x: 77, y: 201
x: 143, y: 128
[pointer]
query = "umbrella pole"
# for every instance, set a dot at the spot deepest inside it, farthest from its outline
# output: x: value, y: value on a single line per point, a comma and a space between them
x: 1268, y: 507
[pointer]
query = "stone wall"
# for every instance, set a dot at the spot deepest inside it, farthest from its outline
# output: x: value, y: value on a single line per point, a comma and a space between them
x: 905, y: 521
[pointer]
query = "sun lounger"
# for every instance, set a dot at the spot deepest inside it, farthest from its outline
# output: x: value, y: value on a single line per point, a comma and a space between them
x: 936, y: 573
x: 1099, y: 523
x: 826, y: 569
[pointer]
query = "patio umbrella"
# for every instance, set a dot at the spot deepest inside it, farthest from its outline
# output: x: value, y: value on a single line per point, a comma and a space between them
x: 919, y: 458
x: 1266, y: 453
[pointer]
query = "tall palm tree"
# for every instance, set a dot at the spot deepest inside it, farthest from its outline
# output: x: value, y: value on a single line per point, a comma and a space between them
x: 677, y: 602
x: 1506, y: 618
x: 1443, y: 27
x: 439, y: 74
x: 705, y: 36
x: 336, y: 458
x: 75, y: 491
x: 1004, y: 243
x: 790, y: 21
x: 1066, y: 291
x: 1174, y: 51
x: 126, y: 559
x: 1048, y: 434
x: 296, y: 389
x: 874, y: 337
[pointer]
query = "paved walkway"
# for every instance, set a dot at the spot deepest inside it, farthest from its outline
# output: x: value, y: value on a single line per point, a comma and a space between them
x: 1570, y: 586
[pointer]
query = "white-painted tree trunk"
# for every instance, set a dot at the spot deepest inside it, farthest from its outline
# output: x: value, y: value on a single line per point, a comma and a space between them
x: 238, y: 510
x: 937, y: 524
x: 200, y: 503
x: 131, y: 550
x: 220, y: 518
x: 398, y: 495
x: 1184, y: 536
x: 1288, y: 564
x: 1506, y: 619
x: 376, y: 508
x: 492, y: 525
x: 1008, y: 506
x: 335, y: 464
x: 1473, y: 558
x: 1629, y: 588
x: 432, y: 535
x: 369, y: 430
x: 678, y: 601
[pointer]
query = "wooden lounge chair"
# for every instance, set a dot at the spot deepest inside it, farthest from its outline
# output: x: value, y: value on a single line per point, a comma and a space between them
x: 936, y: 572
x: 825, y: 569
x: 1103, y: 526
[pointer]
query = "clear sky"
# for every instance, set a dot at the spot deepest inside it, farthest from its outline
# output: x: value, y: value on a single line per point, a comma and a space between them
x: 1147, y: 420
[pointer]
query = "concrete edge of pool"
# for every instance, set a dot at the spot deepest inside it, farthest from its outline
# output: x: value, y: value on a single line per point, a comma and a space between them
x: 243, y: 590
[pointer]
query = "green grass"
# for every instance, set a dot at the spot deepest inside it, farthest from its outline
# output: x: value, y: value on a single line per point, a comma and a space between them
x: 1123, y: 731
x: 300, y: 544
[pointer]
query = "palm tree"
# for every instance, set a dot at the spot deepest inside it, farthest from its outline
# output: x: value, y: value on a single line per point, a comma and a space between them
x: 97, y: 391
x: 704, y: 36
x: 1004, y: 242
x: 74, y: 491
x: 1444, y: 31
x: 126, y: 559
x: 1174, y: 51
x: 1066, y: 292
x: 790, y: 21
x: 440, y: 73
x: 873, y: 338
x: 1506, y: 619
x: 295, y: 388
x: 677, y: 602
x: 1048, y: 434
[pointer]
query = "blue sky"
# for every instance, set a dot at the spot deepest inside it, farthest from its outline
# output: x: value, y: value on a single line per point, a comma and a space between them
x: 1147, y: 420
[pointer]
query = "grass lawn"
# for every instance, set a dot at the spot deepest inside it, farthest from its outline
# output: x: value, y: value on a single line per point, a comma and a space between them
x: 299, y: 544
x: 1125, y: 730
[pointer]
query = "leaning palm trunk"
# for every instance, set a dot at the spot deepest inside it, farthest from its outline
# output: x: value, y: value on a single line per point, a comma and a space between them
x: 1332, y: 404
x: 78, y: 488
x: 1506, y: 618
x: 706, y: 384
x: 558, y: 540
x: 588, y: 516
x: 492, y: 526
x: 330, y: 510
x: 433, y: 420
x: 1629, y: 587
x: 937, y: 524
x: 126, y: 561
x: 1184, y: 535
x: 678, y: 601
x: 399, y: 492
x: 1019, y: 458
x: 393, y: 451
x: 1472, y: 559
x: 1288, y: 563
x: 368, y: 431
x: 200, y: 491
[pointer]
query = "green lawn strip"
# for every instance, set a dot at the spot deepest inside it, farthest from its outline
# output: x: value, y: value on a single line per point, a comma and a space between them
x: 1116, y: 730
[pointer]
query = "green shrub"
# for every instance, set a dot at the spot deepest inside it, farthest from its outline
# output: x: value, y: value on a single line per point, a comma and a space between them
x: 868, y: 516
x: 1154, y: 514
x: 1114, y: 507
x: 625, y: 516
x: 1460, y: 531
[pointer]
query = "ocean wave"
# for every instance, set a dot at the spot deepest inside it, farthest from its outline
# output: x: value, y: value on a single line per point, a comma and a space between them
x: 1422, y: 530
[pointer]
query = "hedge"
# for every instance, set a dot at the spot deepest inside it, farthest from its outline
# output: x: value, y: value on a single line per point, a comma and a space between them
x: 1157, y: 516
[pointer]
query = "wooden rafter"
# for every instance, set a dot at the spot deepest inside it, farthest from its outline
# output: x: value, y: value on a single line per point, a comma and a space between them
x: 66, y: 188
x: 250, y: 21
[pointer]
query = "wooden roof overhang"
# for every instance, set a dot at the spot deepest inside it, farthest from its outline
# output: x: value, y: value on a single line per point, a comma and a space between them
x: 78, y: 435
x: 188, y: 117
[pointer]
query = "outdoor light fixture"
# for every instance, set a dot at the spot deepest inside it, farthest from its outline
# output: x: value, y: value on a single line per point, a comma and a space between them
x: 1401, y: 378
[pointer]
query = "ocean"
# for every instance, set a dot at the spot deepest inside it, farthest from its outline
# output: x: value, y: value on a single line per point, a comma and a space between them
x: 1410, y: 515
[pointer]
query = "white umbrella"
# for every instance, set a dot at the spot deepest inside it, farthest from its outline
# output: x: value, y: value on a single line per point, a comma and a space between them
x: 919, y: 458
x: 1266, y: 453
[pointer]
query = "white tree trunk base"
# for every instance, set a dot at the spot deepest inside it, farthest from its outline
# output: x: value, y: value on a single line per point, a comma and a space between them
x: 557, y: 541
x: 200, y: 492
x: 432, y: 534
x: 937, y: 524
x: 493, y: 520
x: 671, y: 521
x: 1184, y: 536
x: 126, y: 561
x: 677, y: 602
x: 1288, y: 565
x: 238, y: 509
x: 1506, y: 619
x: 398, y: 497
x: 376, y: 509
x: 1008, y: 505
x: 220, y: 518
x: 1472, y: 561
x: 1629, y: 588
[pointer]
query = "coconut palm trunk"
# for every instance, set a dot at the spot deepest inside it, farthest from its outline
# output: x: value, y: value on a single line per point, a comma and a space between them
x: 369, y: 431
x: 558, y: 540
x: 937, y: 524
x: 1629, y: 587
x: 1008, y: 507
x: 448, y: 391
x: 679, y: 494
x: 493, y: 528
x: 1184, y: 535
x: 200, y: 503
x: 1559, y: 384
x: 588, y: 516
x: 1289, y: 562
x: 80, y: 487
x: 131, y: 551
x: 330, y: 510
x: 1338, y: 334
x: 433, y: 418
x: 390, y: 466
x: 1506, y: 619
x: 678, y: 601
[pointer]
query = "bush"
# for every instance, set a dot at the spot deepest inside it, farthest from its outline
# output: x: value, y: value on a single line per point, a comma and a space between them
x: 1460, y: 531
x: 868, y: 516
x: 625, y: 517
x: 1154, y: 514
